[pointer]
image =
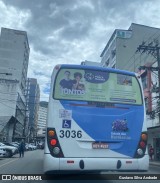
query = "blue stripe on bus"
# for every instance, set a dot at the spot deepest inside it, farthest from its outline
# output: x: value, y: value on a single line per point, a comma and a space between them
x: 98, y: 124
x: 98, y: 69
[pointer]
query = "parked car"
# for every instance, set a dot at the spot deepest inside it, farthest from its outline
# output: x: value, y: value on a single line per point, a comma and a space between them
x: 12, y: 145
x: 26, y: 147
x: 2, y: 152
x: 15, y: 144
x: 34, y: 147
x: 30, y: 147
x: 10, y: 150
x: 40, y: 145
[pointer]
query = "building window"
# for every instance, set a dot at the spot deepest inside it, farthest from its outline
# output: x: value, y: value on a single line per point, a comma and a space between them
x: 146, y: 104
x: 107, y: 62
x: 113, y: 53
x: 144, y: 82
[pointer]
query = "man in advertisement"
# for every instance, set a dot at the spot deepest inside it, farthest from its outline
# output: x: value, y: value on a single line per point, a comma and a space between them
x: 66, y: 82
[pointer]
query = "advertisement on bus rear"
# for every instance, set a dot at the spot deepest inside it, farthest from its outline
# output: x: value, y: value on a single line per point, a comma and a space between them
x: 98, y: 86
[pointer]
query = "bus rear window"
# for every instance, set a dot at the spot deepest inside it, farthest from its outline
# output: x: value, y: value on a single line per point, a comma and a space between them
x: 96, y: 86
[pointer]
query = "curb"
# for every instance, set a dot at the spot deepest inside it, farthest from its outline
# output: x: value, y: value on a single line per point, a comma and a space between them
x: 154, y: 164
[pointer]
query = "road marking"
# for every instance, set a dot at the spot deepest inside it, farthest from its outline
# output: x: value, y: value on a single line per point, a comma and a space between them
x: 8, y: 163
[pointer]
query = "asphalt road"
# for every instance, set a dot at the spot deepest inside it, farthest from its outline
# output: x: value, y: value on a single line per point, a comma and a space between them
x: 32, y: 163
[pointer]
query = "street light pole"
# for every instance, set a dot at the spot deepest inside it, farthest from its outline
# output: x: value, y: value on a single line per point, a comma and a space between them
x: 154, y: 51
x: 158, y: 62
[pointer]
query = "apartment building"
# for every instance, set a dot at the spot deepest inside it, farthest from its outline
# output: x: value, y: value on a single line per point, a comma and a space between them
x: 42, y: 119
x: 14, y: 58
x: 121, y: 52
x: 33, y: 97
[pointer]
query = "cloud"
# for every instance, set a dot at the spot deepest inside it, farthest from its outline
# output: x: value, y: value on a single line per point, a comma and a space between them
x: 47, y: 88
x: 10, y: 17
x: 71, y: 31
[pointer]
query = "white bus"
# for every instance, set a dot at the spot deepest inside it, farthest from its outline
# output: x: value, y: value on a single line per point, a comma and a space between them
x: 96, y: 121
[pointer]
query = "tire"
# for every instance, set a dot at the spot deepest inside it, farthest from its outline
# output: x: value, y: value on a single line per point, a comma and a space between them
x: 8, y: 154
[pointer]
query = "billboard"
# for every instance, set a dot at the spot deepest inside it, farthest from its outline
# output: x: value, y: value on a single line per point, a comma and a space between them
x: 99, y: 86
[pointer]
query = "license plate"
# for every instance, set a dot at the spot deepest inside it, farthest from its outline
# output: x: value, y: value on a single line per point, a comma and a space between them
x: 99, y: 145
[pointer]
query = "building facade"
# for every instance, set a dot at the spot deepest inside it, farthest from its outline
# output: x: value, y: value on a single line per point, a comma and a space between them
x: 151, y: 93
x: 33, y: 97
x: 42, y: 119
x: 122, y: 52
x: 14, y: 58
x: 14, y: 55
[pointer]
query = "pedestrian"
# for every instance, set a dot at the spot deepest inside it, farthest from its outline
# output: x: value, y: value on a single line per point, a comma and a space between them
x: 21, y: 149
x: 151, y: 152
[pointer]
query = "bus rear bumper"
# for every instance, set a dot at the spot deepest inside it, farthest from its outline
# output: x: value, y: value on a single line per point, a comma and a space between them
x: 95, y: 164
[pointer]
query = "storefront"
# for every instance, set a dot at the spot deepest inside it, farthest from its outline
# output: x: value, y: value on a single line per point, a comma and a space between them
x: 157, y: 148
x: 154, y: 140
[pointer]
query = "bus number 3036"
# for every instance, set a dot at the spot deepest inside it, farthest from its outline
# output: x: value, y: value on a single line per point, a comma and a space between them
x: 72, y: 134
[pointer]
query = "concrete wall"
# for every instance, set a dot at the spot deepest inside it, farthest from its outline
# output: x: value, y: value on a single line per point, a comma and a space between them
x: 8, y: 97
x: 125, y: 48
x: 125, y: 45
x: 14, y: 55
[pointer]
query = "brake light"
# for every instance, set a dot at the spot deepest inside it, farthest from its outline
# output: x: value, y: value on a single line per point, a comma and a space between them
x: 141, y: 148
x: 53, y: 142
x: 142, y: 144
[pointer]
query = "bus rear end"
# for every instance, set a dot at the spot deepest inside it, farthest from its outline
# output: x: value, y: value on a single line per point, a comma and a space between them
x: 96, y: 121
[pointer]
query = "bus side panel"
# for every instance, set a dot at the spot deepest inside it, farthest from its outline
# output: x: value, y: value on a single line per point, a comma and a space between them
x: 50, y: 163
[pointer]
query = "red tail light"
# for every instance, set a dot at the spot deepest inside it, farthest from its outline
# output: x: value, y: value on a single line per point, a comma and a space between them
x: 53, y: 142
x: 142, y: 144
x: 141, y: 148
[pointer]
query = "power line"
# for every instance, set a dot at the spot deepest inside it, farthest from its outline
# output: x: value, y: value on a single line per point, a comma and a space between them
x: 153, y: 50
x: 145, y: 42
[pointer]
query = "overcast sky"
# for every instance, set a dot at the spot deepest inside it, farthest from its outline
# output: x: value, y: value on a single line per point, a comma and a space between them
x: 71, y: 31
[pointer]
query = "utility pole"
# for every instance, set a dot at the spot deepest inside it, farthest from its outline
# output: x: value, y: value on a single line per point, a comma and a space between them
x: 153, y: 50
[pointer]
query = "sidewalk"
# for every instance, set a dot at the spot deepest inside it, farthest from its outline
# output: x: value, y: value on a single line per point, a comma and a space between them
x: 154, y: 163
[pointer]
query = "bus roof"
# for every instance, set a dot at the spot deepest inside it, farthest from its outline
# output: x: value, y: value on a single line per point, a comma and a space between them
x: 97, y: 68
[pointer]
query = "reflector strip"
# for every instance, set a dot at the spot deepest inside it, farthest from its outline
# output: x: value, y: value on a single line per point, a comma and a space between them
x: 128, y: 161
x: 70, y: 161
